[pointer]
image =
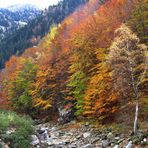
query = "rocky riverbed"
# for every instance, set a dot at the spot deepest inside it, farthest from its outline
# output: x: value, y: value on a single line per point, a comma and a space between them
x: 74, y: 135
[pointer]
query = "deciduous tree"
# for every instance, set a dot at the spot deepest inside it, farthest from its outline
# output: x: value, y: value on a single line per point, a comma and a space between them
x: 129, y: 63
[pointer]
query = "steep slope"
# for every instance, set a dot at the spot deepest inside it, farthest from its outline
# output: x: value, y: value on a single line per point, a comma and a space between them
x: 25, y: 12
x: 15, y: 17
x: 31, y: 34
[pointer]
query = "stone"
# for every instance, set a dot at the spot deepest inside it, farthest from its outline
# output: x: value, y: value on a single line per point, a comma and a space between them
x: 43, y: 134
x: 95, y: 140
x: 87, y: 124
x: 53, y: 128
x: 35, y: 140
x: 72, y: 146
x: 120, y: 140
x: 61, y: 133
x: 79, y: 136
x: 117, y: 138
x: 44, y: 128
x: 129, y: 145
x: 3, y: 145
x: 103, y: 137
x: 116, y: 146
x: 49, y: 143
x: 40, y: 131
x: 66, y: 115
x: 87, y: 134
x: 88, y: 146
x: 110, y: 136
x: 144, y: 140
x: 105, y: 143
x: 73, y: 122
x: 10, y: 131
x: 99, y: 145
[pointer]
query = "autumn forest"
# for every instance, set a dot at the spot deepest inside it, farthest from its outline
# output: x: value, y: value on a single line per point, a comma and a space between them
x: 95, y: 62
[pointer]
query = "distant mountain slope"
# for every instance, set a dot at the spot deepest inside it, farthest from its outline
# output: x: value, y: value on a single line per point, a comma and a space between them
x: 15, y: 17
x: 30, y: 34
x: 25, y: 13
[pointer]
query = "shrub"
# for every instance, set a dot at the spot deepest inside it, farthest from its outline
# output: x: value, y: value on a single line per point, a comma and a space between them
x: 23, y: 128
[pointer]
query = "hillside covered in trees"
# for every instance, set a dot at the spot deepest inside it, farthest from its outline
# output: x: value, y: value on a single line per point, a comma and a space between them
x: 95, y: 63
x: 32, y: 33
x: 15, y: 17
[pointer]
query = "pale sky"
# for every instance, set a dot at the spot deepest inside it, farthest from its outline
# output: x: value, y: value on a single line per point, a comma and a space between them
x: 38, y: 3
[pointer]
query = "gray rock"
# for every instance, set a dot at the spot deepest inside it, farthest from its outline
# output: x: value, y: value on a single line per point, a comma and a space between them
x: 44, y: 135
x: 35, y: 140
x: 95, y: 140
x: 66, y: 115
x: 99, y: 145
x: 116, y: 146
x: 72, y: 146
x: 105, y: 143
x: 117, y: 138
x: 73, y: 122
x: 129, y: 145
x: 144, y: 140
x: 87, y: 134
x: 103, y: 137
x: 79, y: 136
x: 110, y: 136
x: 88, y: 146
x: 10, y: 131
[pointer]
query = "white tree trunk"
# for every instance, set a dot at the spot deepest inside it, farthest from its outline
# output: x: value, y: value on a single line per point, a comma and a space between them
x: 135, y: 89
x: 136, y: 116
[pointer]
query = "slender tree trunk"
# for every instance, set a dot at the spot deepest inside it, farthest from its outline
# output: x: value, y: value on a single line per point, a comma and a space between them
x: 135, y: 89
x: 136, y: 116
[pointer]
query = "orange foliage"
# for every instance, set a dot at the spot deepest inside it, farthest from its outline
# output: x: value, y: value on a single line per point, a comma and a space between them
x: 88, y: 29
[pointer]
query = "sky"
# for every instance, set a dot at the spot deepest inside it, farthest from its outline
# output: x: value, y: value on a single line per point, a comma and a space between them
x: 39, y: 3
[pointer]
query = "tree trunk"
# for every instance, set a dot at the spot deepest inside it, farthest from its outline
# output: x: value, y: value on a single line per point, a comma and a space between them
x: 136, y: 116
x: 135, y: 89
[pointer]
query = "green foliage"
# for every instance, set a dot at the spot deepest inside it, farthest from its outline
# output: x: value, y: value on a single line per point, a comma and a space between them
x: 21, y: 86
x: 77, y: 81
x: 78, y: 84
x: 139, y: 20
x: 23, y: 128
x: 47, y: 40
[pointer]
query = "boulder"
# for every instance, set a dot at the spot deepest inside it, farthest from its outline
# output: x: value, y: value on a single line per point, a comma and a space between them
x: 105, y: 143
x: 66, y: 115
x: 43, y: 134
x: 35, y: 140
x: 129, y: 145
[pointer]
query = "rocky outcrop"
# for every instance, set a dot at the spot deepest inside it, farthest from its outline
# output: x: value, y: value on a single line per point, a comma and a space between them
x: 65, y: 115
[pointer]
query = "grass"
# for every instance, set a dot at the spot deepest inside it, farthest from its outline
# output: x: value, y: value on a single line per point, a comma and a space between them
x: 22, y: 126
